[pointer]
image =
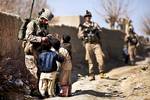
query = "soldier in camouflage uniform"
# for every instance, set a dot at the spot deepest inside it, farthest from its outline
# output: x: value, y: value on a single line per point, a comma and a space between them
x: 89, y: 32
x: 128, y: 26
x: 132, y: 42
x: 36, y: 35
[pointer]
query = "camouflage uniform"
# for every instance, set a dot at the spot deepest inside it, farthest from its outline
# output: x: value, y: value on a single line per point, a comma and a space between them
x: 89, y: 32
x: 132, y: 43
x: 34, y: 33
x: 128, y: 26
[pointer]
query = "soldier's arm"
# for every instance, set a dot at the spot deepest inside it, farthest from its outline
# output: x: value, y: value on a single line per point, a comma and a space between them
x: 31, y: 35
x: 80, y: 33
x: 99, y: 32
x: 126, y: 39
x: 138, y: 42
x: 98, y: 27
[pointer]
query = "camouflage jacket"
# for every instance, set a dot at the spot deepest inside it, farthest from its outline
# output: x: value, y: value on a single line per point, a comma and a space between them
x: 131, y: 40
x: 89, y: 32
x: 35, y: 32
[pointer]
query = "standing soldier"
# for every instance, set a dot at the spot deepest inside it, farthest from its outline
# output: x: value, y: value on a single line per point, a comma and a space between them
x: 128, y: 26
x: 36, y: 36
x: 132, y: 43
x: 89, y: 32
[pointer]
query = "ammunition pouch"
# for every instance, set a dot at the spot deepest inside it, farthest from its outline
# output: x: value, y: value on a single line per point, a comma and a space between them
x: 91, y: 34
x: 90, y: 38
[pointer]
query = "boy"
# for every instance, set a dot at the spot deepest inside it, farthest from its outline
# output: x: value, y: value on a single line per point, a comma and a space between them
x: 65, y: 69
x: 47, y: 66
x: 66, y: 43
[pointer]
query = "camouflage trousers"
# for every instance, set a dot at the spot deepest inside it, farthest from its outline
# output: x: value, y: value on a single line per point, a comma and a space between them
x: 94, y: 50
x: 132, y: 52
x: 31, y: 66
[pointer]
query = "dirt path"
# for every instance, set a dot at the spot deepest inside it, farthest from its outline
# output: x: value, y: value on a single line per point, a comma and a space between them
x: 124, y: 83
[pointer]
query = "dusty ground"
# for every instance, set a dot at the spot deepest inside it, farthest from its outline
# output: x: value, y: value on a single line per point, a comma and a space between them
x: 124, y: 83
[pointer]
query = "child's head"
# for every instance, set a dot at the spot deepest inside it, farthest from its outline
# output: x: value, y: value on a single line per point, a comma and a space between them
x: 55, y: 43
x: 46, y: 46
x: 66, y: 38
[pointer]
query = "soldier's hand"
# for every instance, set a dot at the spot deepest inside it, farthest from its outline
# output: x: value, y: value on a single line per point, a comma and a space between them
x: 44, y: 39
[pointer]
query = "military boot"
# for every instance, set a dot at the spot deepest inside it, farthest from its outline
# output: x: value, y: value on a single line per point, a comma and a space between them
x: 133, y: 63
x: 103, y: 75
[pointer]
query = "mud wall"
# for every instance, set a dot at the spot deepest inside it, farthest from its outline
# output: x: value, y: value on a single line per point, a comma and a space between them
x: 9, y: 44
x: 112, y: 43
x: 11, y: 52
x: 10, y: 47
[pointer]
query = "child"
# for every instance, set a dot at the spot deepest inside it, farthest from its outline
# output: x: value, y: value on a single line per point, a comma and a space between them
x: 66, y: 43
x: 65, y: 69
x: 47, y: 66
x: 125, y: 54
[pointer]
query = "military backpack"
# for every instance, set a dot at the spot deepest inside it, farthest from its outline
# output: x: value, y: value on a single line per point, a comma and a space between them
x: 23, y: 28
x: 22, y: 31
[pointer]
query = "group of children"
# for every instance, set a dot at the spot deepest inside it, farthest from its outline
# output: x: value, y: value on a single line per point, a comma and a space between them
x: 55, y: 68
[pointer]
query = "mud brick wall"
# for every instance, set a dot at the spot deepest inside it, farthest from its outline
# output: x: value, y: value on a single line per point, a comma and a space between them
x: 9, y: 44
x: 11, y: 52
x: 112, y: 41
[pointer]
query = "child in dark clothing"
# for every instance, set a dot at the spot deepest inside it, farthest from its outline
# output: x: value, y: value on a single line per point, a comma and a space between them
x: 47, y: 66
x: 125, y: 54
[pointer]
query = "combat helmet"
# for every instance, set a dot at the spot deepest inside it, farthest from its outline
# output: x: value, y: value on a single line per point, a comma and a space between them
x: 46, y: 13
x: 88, y: 14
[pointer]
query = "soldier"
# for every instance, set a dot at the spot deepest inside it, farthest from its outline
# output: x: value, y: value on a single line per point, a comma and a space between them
x: 89, y: 32
x: 36, y: 36
x: 132, y: 43
x: 128, y: 25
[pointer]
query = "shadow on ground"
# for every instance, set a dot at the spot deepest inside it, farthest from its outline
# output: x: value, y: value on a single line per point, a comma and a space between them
x: 93, y: 93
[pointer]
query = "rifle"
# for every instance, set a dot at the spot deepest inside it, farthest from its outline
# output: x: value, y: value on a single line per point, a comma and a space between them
x: 22, y: 31
x: 31, y: 9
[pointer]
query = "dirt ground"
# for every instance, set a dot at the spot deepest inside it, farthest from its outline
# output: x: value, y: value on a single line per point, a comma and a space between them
x: 124, y: 83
